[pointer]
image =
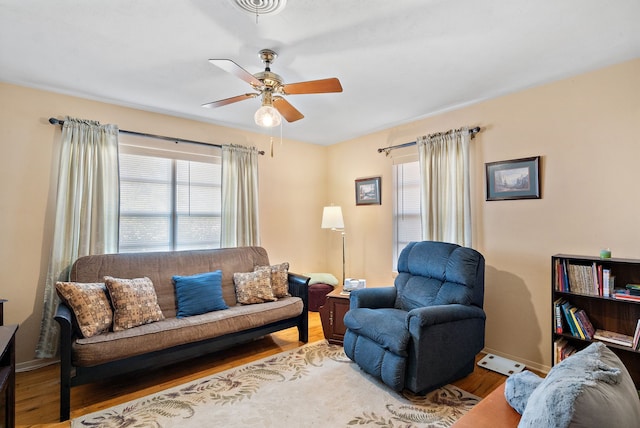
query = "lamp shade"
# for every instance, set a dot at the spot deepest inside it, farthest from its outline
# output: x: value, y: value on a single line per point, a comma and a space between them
x: 332, y: 218
x: 267, y: 116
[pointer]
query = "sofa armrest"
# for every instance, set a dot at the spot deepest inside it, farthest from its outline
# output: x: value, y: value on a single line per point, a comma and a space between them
x: 492, y: 411
x: 376, y: 297
x: 65, y: 319
x: 299, y: 285
x: 440, y: 314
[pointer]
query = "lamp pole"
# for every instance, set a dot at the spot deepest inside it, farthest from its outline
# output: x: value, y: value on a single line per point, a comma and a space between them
x: 343, y: 259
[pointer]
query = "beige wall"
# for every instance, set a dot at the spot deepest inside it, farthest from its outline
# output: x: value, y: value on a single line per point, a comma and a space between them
x: 586, y: 131
x: 292, y: 184
x: 584, y: 128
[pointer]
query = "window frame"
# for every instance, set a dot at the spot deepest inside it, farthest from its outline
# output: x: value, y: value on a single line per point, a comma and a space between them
x: 399, y: 204
x: 157, y: 148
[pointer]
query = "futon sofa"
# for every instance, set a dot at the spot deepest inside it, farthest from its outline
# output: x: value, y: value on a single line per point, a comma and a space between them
x: 172, y: 327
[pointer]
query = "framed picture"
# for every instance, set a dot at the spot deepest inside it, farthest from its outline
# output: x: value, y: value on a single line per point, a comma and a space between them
x: 513, y: 179
x: 368, y: 191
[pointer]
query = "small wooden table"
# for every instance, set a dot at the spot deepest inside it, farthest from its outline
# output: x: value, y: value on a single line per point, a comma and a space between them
x: 8, y: 375
x: 332, y: 316
x: 2, y: 311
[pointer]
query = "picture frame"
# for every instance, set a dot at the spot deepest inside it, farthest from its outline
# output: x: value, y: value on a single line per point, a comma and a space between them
x: 368, y: 191
x: 513, y: 179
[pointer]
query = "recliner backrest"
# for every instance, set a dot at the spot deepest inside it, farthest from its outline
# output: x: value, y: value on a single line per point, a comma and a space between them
x: 439, y: 273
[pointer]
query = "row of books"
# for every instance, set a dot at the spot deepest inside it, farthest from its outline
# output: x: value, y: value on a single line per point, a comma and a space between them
x: 631, y: 292
x: 614, y: 337
x: 562, y: 349
x: 570, y: 319
x: 592, y: 280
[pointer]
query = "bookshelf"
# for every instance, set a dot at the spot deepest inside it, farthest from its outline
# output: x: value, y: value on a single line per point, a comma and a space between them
x: 578, y: 281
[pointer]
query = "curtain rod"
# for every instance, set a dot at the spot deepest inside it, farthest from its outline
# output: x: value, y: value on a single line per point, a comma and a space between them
x: 472, y: 132
x: 54, y: 121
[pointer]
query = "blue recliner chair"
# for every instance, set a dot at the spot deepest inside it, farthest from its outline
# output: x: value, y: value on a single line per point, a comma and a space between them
x: 426, y: 331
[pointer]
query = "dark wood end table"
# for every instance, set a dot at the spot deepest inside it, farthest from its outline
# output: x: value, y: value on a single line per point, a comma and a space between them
x: 8, y: 375
x: 332, y: 316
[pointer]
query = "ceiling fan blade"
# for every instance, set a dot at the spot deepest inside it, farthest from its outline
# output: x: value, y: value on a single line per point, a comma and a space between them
x: 231, y: 67
x: 287, y: 111
x: 231, y: 100
x: 314, y: 86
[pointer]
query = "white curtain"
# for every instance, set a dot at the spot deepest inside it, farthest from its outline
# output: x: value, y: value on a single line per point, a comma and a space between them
x: 446, y: 194
x: 239, y: 197
x: 87, y: 206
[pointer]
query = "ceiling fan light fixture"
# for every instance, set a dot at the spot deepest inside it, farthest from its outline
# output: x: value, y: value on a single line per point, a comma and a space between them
x: 267, y: 117
x: 261, y: 7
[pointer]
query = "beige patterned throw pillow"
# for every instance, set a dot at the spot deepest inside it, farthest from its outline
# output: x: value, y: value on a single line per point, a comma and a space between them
x: 134, y: 302
x: 89, y: 304
x: 279, y: 279
x: 254, y: 287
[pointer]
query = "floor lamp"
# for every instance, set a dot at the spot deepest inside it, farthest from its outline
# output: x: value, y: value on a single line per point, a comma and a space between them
x: 332, y: 219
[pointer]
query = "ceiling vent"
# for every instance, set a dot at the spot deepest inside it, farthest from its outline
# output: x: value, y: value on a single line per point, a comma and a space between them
x: 260, y: 7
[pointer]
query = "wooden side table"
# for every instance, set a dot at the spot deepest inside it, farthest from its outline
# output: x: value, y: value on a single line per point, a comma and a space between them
x: 332, y: 316
x: 8, y: 376
x: 2, y: 311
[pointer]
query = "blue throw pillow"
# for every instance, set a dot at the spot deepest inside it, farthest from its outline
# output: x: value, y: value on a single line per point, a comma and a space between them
x: 199, y: 293
x: 519, y: 387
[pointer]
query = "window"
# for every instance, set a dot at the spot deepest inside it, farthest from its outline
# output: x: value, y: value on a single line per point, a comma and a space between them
x: 407, y: 225
x: 168, y: 200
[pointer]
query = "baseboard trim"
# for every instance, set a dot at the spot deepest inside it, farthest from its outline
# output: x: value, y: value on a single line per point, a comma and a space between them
x: 530, y: 364
x: 35, y: 364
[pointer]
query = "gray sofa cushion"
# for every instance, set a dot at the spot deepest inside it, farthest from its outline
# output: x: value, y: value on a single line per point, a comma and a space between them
x: 178, y: 331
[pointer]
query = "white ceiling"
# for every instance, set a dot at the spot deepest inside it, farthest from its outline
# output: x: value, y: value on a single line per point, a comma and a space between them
x: 397, y: 60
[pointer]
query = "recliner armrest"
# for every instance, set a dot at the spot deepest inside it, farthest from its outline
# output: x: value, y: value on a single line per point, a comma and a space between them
x: 376, y: 297
x: 440, y: 314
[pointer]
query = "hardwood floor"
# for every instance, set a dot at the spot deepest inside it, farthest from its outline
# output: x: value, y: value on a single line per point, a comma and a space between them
x: 37, y: 391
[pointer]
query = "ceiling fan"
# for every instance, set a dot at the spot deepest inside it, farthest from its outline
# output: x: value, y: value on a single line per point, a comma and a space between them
x: 271, y: 88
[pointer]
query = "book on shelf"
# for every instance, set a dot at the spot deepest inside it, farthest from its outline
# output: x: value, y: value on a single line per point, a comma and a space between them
x: 562, y: 276
x: 606, y: 275
x: 614, y: 337
x: 583, y: 279
x: 557, y: 307
x: 623, y: 294
x: 562, y: 349
x: 566, y: 306
x: 633, y: 289
x: 572, y: 312
x: 636, y: 337
x: 585, y: 323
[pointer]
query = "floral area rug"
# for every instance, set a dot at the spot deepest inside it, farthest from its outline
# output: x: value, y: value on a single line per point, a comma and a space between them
x: 313, y: 386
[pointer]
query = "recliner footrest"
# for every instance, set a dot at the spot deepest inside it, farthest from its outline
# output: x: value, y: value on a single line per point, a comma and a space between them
x: 376, y: 361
